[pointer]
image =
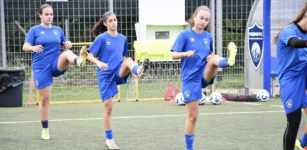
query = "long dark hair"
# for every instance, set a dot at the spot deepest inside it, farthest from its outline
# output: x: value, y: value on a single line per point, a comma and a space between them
x: 40, y: 10
x: 191, y: 20
x: 100, y: 27
x: 297, y: 19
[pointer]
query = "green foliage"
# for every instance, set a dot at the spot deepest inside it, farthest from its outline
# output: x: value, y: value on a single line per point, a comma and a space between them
x: 234, y: 31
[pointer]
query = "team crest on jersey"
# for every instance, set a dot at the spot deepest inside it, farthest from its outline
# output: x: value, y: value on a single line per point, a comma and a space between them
x: 206, y: 41
x: 289, y: 103
x: 55, y: 32
x: 108, y: 43
x: 192, y: 39
x: 187, y: 94
x: 42, y: 32
x: 36, y: 83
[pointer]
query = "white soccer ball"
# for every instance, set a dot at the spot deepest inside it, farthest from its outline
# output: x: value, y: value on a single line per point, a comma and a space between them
x: 180, y: 99
x: 216, y: 98
x: 263, y: 95
x: 202, y: 100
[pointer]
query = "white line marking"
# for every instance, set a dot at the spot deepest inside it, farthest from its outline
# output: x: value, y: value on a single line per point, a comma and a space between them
x: 276, y: 106
x: 251, y: 104
x: 156, y: 116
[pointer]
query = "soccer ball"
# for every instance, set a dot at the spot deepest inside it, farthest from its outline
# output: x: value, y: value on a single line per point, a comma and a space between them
x: 216, y: 98
x: 202, y: 100
x: 180, y: 99
x: 263, y: 95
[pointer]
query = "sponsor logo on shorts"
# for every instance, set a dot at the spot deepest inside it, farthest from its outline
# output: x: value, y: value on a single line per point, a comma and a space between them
x: 55, y: 32
x: 289, y: 103
x: 206, y: 41
x: 187, y: 94
x: 36, y: 83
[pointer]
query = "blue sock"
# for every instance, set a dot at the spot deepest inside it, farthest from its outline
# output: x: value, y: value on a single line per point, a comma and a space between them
x: 223, y: 63
x: 45, y: 124
x: 75, y: 60
x: 135, y: 69
x: 189, y: 141
x: 109, y: 134
x: 304, y: 140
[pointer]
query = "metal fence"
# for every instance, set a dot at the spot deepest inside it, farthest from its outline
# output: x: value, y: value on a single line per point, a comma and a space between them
x: 77, y: 18
x: 1, y: 32
x: 234, y: 25
x: 234, y: 18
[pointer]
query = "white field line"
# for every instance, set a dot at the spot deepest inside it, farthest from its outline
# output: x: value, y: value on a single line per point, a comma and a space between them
x: 137, y: 117
x: 276, y: 106
x: 251, y: 104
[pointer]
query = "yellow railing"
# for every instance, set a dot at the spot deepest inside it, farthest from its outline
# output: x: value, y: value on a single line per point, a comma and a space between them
x: 137, y: 81
x: 97, y: 101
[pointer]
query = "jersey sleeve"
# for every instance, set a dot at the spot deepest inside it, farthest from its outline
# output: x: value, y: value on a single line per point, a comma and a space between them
x: 125, y: 51
x: 297, y: 43
x: 286, y: 34
x: 30, y: 36
x: 96, y: 45
x: 62, y: 37
x: 179, y: 43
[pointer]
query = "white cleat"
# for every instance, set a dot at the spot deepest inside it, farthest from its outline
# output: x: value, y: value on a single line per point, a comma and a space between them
x: 45, y: 134
x: 111, y: 144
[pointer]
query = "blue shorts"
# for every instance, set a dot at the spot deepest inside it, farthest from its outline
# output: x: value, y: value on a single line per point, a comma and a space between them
x: 107, y: 84
x: 43, y: 77
x: 293, y: 93
x: 191, y: 89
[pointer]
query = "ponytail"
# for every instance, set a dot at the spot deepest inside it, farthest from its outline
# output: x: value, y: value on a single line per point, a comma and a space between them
x: 100, y: 27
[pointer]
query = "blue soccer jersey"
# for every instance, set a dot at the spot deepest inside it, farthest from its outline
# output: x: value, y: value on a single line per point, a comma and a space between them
x: 50, y: 39
x: 192, y: 67
x: 190, y: 40
x: 292, y: 69
x: 290, y: 60
x: 110, y: 50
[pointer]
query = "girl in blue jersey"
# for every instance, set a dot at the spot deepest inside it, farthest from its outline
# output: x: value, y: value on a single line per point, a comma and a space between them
x: 45, y: 41
x: 198, y: 66
x: 113, y: 68
x: 291, y: 54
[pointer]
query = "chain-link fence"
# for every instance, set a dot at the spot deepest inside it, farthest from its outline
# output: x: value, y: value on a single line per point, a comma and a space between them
x: 77, y: 18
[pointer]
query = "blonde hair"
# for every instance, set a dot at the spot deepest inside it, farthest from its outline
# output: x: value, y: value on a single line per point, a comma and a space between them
x: 191, y: 20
